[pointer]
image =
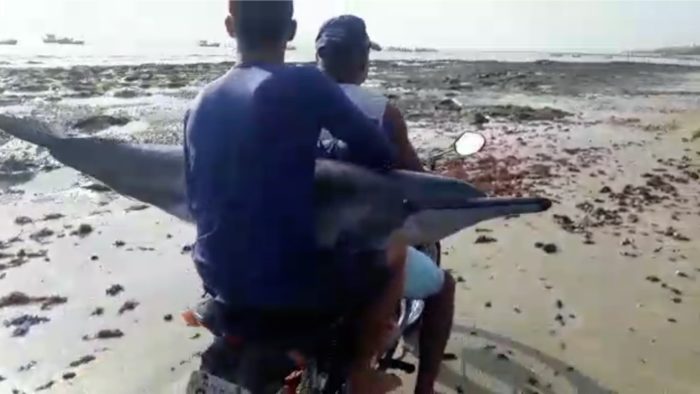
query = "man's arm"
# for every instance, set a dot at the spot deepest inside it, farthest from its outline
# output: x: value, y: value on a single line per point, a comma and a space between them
x: 407, y: 158
x: 365, y: 142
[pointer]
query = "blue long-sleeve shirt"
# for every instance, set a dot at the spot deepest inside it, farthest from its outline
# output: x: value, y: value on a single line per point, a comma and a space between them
x: 250, y: 148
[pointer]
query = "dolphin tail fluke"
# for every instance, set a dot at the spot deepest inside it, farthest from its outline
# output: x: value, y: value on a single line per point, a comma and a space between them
x: 30, y: 130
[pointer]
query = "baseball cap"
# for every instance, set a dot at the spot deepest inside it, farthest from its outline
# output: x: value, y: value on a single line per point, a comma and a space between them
x: 345, y: 32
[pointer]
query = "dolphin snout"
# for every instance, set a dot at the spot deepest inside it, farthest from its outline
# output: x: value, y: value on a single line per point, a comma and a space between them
x: 504, y: 204
x: 524, y: 205
x: 545, y: 204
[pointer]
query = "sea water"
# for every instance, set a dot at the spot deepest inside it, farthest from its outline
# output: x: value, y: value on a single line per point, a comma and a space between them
x: 38, y: 54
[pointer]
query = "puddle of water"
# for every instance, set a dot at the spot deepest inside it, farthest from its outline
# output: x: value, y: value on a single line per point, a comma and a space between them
x: 8, y: 180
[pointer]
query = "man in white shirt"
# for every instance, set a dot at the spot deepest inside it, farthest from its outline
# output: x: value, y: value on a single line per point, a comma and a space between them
x: 343, y: 48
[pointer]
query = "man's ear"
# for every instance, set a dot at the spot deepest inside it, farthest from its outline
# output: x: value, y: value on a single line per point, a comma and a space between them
x: 292, y: 30
x: 365, y: 72
x: 230, y: 26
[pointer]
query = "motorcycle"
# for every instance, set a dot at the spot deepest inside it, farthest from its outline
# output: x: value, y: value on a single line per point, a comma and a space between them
x: 323, y: 373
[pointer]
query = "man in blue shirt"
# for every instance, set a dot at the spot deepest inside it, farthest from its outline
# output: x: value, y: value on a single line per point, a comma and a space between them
x: 250, y: 148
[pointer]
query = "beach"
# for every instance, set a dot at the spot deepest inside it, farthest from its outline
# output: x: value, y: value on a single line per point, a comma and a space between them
x: 600, y: 294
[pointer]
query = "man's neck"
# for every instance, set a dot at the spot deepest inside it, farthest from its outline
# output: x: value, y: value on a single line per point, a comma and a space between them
x: 347, y: 81
x: 265, y: 56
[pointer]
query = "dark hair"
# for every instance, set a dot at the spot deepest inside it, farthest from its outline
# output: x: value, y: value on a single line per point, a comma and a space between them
x: 343, y: 64
x: 260, y: 23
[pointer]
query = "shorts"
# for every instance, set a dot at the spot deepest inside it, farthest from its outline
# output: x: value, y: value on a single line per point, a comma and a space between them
x: 423, y: 277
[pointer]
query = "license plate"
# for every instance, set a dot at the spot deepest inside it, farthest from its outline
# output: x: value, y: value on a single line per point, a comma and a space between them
x: 202, y: 382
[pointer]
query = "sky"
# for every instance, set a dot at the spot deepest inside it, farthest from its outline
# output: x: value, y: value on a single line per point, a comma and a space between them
x: 583, y: 25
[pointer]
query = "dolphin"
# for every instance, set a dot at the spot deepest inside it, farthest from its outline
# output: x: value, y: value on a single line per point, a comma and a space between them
x: 354, y: 205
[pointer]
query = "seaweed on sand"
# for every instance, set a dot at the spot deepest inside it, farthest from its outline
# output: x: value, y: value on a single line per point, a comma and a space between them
x: 696, y: 135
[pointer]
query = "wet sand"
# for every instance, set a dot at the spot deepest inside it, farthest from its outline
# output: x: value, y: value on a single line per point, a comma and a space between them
x: 599, y: 295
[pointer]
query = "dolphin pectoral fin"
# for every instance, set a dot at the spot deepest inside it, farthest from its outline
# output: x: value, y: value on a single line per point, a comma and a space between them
x: 30, y: 130
x: 434, y: 224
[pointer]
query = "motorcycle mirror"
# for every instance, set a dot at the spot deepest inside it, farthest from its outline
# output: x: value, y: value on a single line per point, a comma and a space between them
x: 469, y: 143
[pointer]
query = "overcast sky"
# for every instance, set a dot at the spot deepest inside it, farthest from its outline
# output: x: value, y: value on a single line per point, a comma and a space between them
x: 479, y: 24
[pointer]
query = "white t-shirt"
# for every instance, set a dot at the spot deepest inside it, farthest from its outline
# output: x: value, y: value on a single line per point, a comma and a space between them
x: 371, y: 103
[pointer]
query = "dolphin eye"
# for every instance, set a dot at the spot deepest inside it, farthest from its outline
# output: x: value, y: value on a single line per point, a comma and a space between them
x: 408, y: 205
